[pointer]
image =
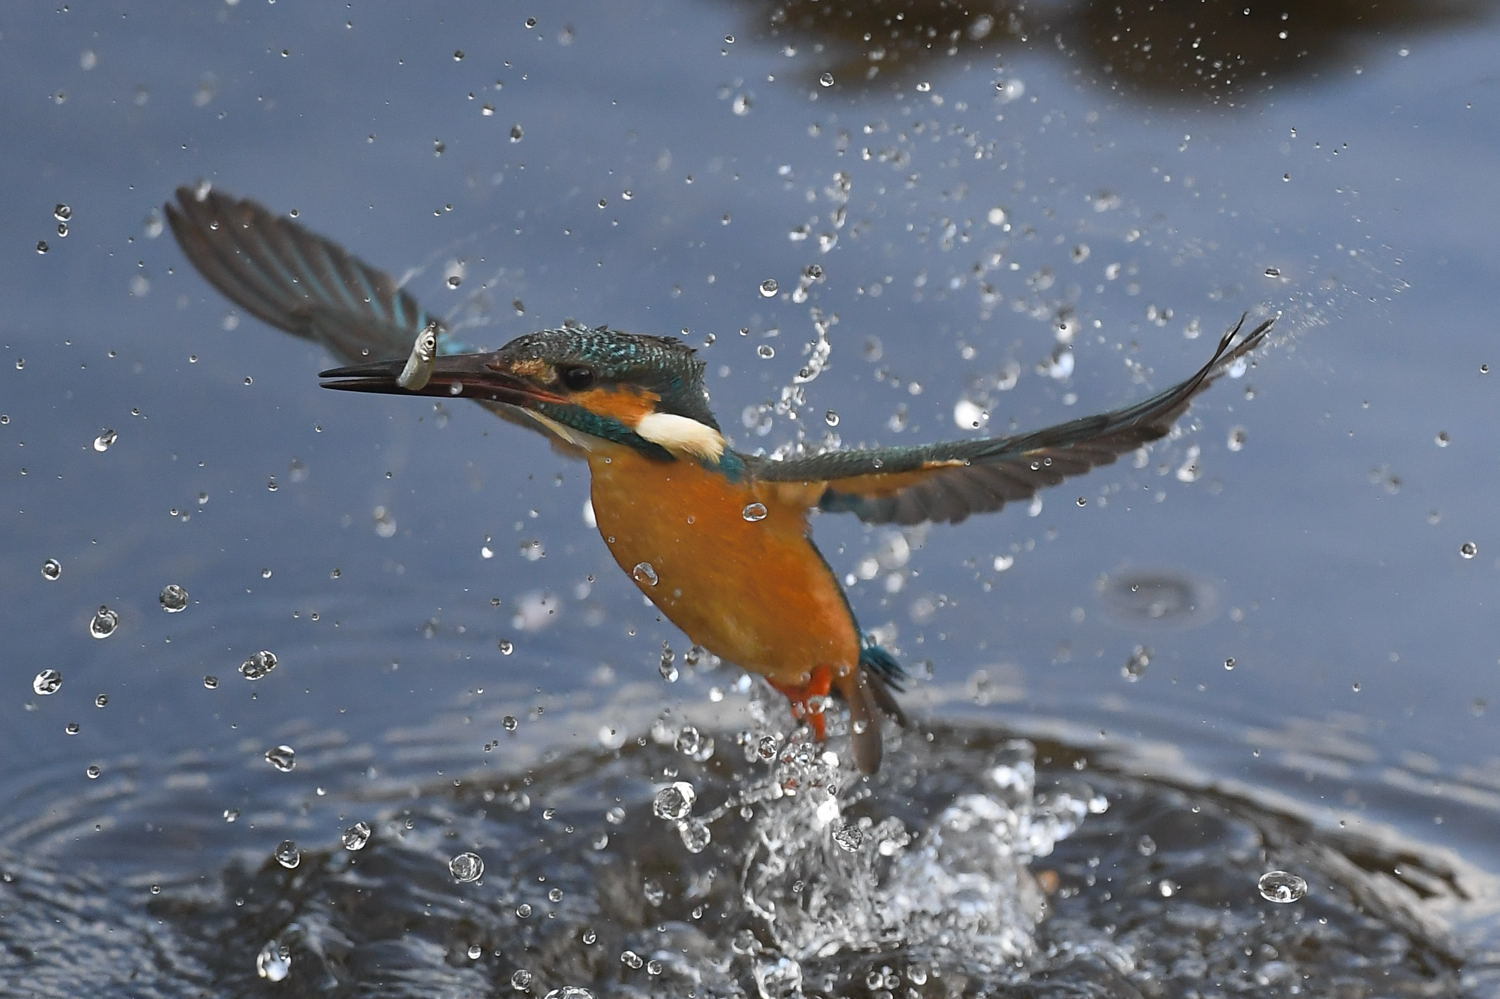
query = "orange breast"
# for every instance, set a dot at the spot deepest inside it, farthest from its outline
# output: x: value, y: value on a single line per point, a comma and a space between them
x: 749, y: 588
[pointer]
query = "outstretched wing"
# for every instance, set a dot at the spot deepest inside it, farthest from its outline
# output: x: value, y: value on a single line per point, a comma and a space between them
x: 948, y: 482
x: 294, y: 279
x: 303, y: 283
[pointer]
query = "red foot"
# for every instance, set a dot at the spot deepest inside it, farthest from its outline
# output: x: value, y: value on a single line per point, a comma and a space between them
x: 818, y: 685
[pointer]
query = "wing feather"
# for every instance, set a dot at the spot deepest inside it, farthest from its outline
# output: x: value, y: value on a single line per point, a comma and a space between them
x: 286, y: 275
x: 294, y: 279
x: 948, y: 482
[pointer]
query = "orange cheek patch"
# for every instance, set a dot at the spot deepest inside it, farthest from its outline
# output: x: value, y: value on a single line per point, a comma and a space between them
x: 625, y: 404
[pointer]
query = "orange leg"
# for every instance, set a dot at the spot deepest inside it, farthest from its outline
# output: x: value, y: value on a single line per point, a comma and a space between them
x: 818, y: 685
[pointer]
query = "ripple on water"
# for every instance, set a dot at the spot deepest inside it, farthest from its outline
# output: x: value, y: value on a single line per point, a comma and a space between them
x: 1158, y: 598
x: 974, y: 863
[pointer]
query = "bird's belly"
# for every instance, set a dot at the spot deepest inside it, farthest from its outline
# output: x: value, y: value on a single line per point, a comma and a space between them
x: 748, y: 587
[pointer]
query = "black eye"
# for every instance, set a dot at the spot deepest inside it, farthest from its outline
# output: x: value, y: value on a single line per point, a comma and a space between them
x: 577, y: 378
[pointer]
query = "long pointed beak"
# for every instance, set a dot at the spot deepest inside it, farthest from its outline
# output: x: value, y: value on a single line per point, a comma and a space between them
x: 470, y: 376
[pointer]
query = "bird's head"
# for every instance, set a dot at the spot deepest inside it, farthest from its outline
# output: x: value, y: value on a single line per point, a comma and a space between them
x: 584, y: 385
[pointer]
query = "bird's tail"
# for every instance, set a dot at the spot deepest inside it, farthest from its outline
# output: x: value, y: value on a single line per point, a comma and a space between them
x: 870, y: 692
x: 294, y: 279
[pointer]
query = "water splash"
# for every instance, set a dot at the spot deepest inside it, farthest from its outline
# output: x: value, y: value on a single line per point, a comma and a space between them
x: 972, y: 864
x: 826, y: 877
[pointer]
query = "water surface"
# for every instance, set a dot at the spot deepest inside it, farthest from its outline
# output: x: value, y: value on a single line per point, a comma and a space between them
x: 1007, y: 218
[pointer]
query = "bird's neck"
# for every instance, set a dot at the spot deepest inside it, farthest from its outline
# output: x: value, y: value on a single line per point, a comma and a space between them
x: 664, y: 437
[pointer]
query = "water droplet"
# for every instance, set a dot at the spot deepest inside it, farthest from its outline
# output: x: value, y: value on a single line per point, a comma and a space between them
x: 356, y: 836
x: 101, y: 700
x: 62, y: 212
x: 517, y: 133
x: 211, y: 682
x: 1230, y: 663
x: 1236, y: 439
x: 826, y: 80
x: 695, y: 835
x: 969, y: 415
x: 1189, y: 470
x: 632, y: 960
x: 768, y: 288
x: 274, y: 961
x: 570, y: 992
x: 779, y: 977
x: 1468, y: 549
x: 287, y: 854
x: 754, y: 512
x: 675, y: 801
x: 1281, y: 887
x: 848, y: 837
x: 765, y: 351
x: 475, y: 952
x: 104, y: 623
x: 1135, y: 666
x: 41, y: 246
x: 831, y: 418
x: 466, y: 867
x: 46, y: 682
x: 51, y: 569
x: 1442, y: 439
x: 105, y: 440
x: 668, y: 665
x: 174, y: 599
x: 258, y: 665
x: 283, y: 758
x: 645, y: 572
x: 509, y: 723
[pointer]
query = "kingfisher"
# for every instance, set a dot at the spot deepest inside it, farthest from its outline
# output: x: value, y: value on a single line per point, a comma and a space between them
x: 718, y: 539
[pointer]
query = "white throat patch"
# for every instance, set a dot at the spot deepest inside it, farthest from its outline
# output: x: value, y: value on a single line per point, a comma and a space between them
x: 682, y: 435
